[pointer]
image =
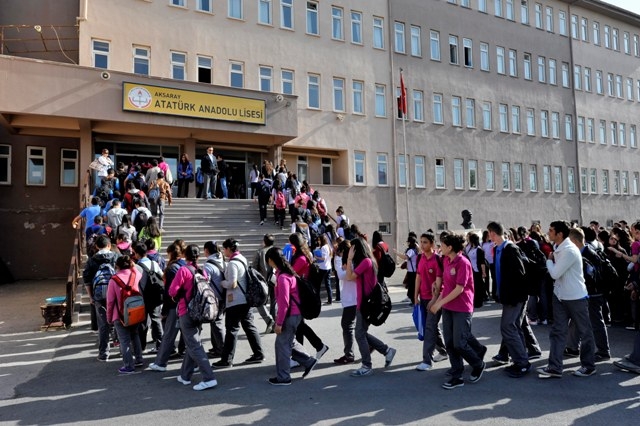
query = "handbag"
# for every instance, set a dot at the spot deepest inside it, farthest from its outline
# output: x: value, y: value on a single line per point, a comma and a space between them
x: 418, y: 320
x: 95, y: 165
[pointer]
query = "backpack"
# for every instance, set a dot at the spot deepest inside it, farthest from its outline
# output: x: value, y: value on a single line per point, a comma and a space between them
x: 203, y: 306
x: 386, y: 265
x: 153, y: 290
x: 168, y: 177
x: 314, y: 276
x: 100, y: 281
x: 131, y: 307
x: 141, y: 220
x: 376, y: 306
x: 264, y: 189
x: 154, y: 193
x: 310, y: 304
x: 280, y: 202
x: 222, y: 297
x: 591, y: 276
x: 535, y: 265
x: 608, y: 273
x: 257, y: 290
x: 104, y: 192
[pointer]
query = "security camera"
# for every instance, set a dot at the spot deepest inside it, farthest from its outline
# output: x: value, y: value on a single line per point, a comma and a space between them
x: 340, y: 117
x: 105, y: 75
x: 279, y: 98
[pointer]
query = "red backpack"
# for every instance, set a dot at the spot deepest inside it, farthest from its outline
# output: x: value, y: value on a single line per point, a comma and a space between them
x: 281, y: 203
x: 131, y: 309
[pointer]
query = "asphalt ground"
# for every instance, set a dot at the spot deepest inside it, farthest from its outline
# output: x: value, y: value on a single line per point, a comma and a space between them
x: 53, y: 378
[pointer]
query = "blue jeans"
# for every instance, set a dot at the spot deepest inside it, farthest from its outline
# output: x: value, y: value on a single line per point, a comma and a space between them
x: 171, y: 328
x: 223, y: 186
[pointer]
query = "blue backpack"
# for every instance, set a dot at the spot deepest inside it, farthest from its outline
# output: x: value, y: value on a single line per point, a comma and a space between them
x: 101, y: 281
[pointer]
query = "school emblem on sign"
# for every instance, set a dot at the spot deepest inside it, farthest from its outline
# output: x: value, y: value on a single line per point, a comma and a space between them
x: 140, y: 97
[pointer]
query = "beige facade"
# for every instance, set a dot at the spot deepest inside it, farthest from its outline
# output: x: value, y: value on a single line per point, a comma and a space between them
x: 504, y: 116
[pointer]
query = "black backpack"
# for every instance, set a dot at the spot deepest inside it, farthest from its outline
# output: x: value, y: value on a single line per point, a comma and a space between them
x: 153, y: 290
x: 535, y: 266
x: 376, y: 306
x: 607, y: 273
x: 257, y: 290
x: 309, y: 304
x: 386, y: 265
x: 141, y: 220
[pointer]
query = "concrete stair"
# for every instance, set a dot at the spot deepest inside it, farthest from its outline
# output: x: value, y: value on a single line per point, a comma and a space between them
x: 197, y: 221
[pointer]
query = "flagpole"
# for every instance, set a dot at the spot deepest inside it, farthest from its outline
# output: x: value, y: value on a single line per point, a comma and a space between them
x: 404, y: 144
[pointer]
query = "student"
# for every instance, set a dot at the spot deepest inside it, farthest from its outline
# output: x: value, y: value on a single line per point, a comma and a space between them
x: 214, y: 266
x: 349, y: 301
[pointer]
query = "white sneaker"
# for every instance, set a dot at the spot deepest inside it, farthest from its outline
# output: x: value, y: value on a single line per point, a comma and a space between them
x: 205, y: 385
x: 423, y: 366
x: 183, y: 381
x: 321, y: 352
x: 440, y: 357
x: 155, y: 367
x: 293, y: 364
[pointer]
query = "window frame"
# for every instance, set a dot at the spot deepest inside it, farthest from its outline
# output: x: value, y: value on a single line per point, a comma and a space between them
x: 382, y: 159
x: 5, y: 159
x: 312, y: 26
x: 419, y: 171
x: 313, y: 87
x: 265, y: 6
x: 177, y: 65
x: 233, y: 7
x: 362, y: 162
x: 95, y: 53
x: 265, y: 78
x: 75, y: 162
x: 29, y: 172
x: 339, y: 94
x: 356, y: 27
x: 440, y: 173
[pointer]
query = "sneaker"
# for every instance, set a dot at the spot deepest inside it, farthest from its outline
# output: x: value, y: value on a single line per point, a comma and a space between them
x: 152, y: 351
x: 476, y: 373
x: 103, y: 358
x: 321, y: 352
x: 254, y: 359
x: 362, y: 371
x: 571, y: 353
x: 139, y: 364
x: 270, y: 327
x: 626, y: 365
x: 126, y: 370
x: 294, y: 364
x: 222, y: 364
x: 423, y: 366
x: 310, y: 367
x: 205, y: 385
x: 388, y: 357
x: 602, y: 357
x: 548, y: 373
x: 275, y: 382
x: 534, y: 355
x: 584, y: 372
x: 453, y: 383
x: 532, y: 322
x: 155, y: 367
x: 183, y: 381
x: 345, y: 359
x: 501, y: 359
x: 544, y: 322
x: 517, y: 371
x: 262, y: 222
x: 440, y: 357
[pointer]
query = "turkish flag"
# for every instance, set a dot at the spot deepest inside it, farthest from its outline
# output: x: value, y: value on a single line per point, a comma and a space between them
x: 402, y: 103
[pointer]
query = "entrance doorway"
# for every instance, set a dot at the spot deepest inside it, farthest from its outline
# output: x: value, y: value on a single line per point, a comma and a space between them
x: 238, y: 166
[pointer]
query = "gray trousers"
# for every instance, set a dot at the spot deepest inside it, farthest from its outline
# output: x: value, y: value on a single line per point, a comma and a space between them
x: 460, y: 342
x: 171, y: 328
x: 597, y: 326
x: 161, y: 204
x: 348, y: 323
x: 194, y: 354
x: 103, y: 328
x: 129, y: 342
x: 578, y: 312
x: 432, y: 335
x: 512, y: 336
x: 210, y: 181
x: 366, y: 341
x: 217, y: 332
x: 287, y: 347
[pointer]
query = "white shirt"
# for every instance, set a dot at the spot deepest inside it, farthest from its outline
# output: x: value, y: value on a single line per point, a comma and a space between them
x: 348, y: 289
x: 567, y: 271
x: 106, y: 163
x: 325, y: 264
x: 114, y: 216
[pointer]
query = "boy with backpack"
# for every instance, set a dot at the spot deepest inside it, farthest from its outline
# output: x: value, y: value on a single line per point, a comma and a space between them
x: 140, y: 216
x: 152, y: 289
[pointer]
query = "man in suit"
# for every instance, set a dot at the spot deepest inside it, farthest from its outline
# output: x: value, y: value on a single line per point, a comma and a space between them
x: 209, y: 166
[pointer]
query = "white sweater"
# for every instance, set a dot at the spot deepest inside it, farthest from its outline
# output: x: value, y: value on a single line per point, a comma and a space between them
x: 567, y: 272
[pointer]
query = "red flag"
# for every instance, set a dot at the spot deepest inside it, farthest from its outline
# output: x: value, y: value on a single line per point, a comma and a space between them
x: 402, y: 105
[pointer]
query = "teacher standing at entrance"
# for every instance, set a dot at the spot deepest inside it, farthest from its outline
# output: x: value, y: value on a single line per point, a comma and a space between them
x: 209, y: 166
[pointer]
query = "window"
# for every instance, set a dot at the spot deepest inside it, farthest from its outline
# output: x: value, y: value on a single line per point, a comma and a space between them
x: 538, y: 12
x: 591, y: 132
x: 531, y: 122
x: 622, y: 134
x: 456, y: 116
x: 484, y: 56
x: 440, y: 181
x: 614, y: 37
x: 286, y: 14
x: 510, y: 12
x: 584, y: 29
x: 577, y: 77
x: 626, y: 43
x: 513, y: 63
x: 636, y: 182
x: 402, y: 170
x: 356, y: 27
x: 100, y: 53
x: 178, y: 65
x: 500, y: 60
x: 629, y: 89
x: 458, y: 173
x: 549, y: 19
x: 486, y: 116
x: 571, y: 180
x: 517, y: 177
x: 636, y: 45
x: 68, y: 167
x: 542, y: 69
x: 264, y: 12
x: 619, y: 86
x: 437, y: 109
x: 555, y: 125
x: 287, y: 80
x: 581, y: 124
x: 498, y: 8
x: 416, y: 42
x: 593, y: 181
x: 633, y: 138
x: 482, y: 6
x: 472, y: 172
x: 568, y: 127
x: 613, y: 126
x: 467, y: 52
x: 616, y: 182
x: 326, y: 171
x: 504, y: 119
x: 313, y: 91
x: 236, y: 71
x: 266, y: 79
x: 470, y: 112
x: 312, y: 18
x: 596, y: 33
x: 453, y: 49
x: 524, y: 12
x: 36, y: 166
x: 527, y: 66
x: 489, y: 172
x: 506, y: 177
x: 378, y: 32
x: 574, y: 26
x: 180, y: 3
x: 5, y: 164
x: 399, y: 37
x: 638, y: 90
x: 587, y: 79
x: 465, y: 3
x: 553, y: 75
x: 338, y: 95
x: 546, y: 178
x: 205, y: 65
x: 515, y: 119
x: 358, y: 97
x: 562, y: 23
x: 381, y: 101
x: 607, y: 37
x: 140, y: 60
x: 565, y: 75
x: 599, y: 85
x: 533, y: 178
x: 605, y: 181
x: 359, y: 167
x: 434, y: 36
x: 203, y: 5
x: 382, y: 170
x: 583, y: 180
x: 557, y: 173
x: 602, y: 132
x: 418, y: 105
x: 544, y: 124
x: 235, y: 9
x: 337, y: 24
x: 419, y: 164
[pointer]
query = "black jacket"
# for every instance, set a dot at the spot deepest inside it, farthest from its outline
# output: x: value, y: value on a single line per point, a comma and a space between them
x: 207, y: 165
x: 93, y: 264
x: 513, y: 288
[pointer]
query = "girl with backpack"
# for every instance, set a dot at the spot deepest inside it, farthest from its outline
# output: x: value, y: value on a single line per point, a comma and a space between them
x: 288, y: 318
x: 151, y: 231
x: 127, y: 229
x: 361, y: 267
x: 279, y: 205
